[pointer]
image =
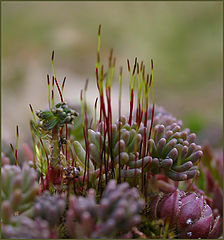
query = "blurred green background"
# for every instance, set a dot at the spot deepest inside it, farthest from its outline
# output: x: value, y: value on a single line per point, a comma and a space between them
x: 184, y: 39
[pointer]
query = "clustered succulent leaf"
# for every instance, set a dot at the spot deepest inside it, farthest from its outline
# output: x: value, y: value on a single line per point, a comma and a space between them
x: 19, y: 188
x: 49, y: 207
x: 81, y: 216
x: 116, y: 214
x: 119, y: 210
x: 172, y: 149
x: 125, y: 149
x: 189, y: 213
x: 22, y: 227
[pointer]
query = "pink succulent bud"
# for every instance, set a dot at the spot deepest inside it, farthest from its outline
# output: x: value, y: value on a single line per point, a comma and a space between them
x: 188, y: 213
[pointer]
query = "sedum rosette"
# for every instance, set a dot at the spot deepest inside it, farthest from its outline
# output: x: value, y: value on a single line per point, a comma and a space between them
x: 167, y: 147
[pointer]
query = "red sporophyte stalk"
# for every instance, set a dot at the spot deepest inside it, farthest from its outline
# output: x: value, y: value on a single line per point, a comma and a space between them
x: 131, y: 88
x: 86, y: 130
x: 33, y: 143
x: 147, y: 87
x: 49, y: 91
x: 17, y: 139
x: 66, y: 145
x: 108, y: 118
x: 151, y: 84
x: 85, y: 133
x: 119, y: 126
x: 52, y: 93
x: 59, y: 90
x: 63, y: 84
x: 95, y: 107
x: 15, y: 152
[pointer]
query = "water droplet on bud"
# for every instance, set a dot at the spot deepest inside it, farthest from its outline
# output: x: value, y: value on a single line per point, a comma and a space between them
x: 189, y: 234
x: 189, y: 221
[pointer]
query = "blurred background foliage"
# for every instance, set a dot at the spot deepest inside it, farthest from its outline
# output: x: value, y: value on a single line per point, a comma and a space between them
x: 184, y: 39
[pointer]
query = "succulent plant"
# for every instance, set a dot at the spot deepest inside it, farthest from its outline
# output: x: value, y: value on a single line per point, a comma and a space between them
x: 49, y: 207
x: 123, y: 149
x: 171, y: 149
x: 82, y: 215
x: 188, y: 213
x: 117, y: 212
x: 22, y: 227
x: 19, y: 187
x: 175, y: 152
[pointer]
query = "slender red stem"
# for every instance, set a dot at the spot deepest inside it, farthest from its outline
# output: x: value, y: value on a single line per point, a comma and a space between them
x: 109, y: 129
x: 87, y: 141
x: 119, y: 137
x: 104, y: 151
x: 33, y: 141
x: 13, y: 151
x: 61, y: 133
x: 150, y: 131
x: 135, y: 169
x: 66, y: 149
x: 59, y: 90
x: 63, y: 84
x: 17, y: 137
x: 131, y: 106
x: 101, y: 155
x: 84, y: 133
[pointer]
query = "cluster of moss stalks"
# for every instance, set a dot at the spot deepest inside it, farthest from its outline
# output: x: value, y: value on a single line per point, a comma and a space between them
x: 89, y: 177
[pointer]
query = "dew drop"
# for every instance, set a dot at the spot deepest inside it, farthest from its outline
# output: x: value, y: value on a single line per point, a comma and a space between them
x: 189, y: 234
x: 189, y: 221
